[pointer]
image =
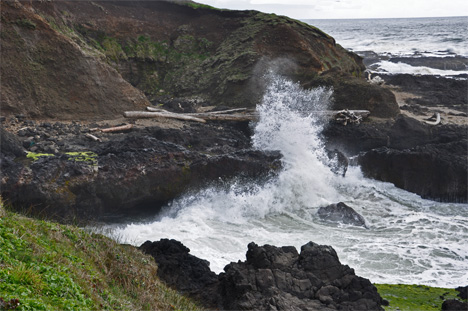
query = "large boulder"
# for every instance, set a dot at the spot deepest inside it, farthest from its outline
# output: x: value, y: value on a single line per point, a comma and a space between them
x: 358, y: 94
x: 178, y: 268
x: 341, y: 213
x: 10, y: 145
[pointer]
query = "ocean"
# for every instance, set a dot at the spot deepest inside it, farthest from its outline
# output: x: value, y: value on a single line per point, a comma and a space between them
x: 408, y: 239
x: 405, y: 39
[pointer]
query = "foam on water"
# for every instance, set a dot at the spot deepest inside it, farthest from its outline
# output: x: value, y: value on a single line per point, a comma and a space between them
x: 409, y: 240
x: 413, y: 37
x: 402, y: 68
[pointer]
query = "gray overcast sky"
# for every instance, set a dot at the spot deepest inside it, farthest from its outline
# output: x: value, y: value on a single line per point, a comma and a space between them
x: 318, y: 9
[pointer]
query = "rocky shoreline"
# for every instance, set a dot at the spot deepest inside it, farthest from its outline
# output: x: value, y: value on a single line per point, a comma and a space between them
x: 86, y: 73
x: 140, y: 170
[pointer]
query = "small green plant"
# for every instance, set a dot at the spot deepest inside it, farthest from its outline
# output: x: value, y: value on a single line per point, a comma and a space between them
x: 83, y: 156
x: 35, y: 156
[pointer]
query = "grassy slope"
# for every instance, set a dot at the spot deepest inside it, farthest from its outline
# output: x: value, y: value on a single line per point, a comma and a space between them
x: 47, y: 266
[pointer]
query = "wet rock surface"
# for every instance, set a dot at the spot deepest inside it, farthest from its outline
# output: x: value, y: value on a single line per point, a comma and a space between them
x: 432, y: 91
x: 341, y: 213
x: 271, y: 278
x: 437, y: 172
x: 428, y: 160
x: 126, y: 173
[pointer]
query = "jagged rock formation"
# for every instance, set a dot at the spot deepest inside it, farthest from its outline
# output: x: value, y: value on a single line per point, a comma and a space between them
x: 272, y: 278
x: 94, y: 59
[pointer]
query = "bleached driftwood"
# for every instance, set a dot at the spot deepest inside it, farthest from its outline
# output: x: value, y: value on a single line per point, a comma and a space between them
x: 437, y: 121
x: 92, y: 137
x: 152, y: 109
x: 117, y: 128
x: 227, y: 111
x: 343, y: 116
x: 168, y: 115
x: 226, y: 117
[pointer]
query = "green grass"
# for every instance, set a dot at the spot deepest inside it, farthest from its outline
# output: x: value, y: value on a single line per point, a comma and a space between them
x: 415, y: 297
x: 47, y: 266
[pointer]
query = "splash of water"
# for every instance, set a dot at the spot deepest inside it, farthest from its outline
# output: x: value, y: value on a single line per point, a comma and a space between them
x: 410, y: 240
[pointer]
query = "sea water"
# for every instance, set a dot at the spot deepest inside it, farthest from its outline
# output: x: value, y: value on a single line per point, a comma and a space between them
x: 402, y: 37
x: 407, y: 239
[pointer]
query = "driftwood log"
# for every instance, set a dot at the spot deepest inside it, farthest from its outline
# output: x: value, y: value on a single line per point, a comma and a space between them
x: 152, y: 109
x: 436, y: 116
x: 92, y: 137
x: 228, y: 111
x: 342, y: 116
x: 208, y: 116
x: 118, y: 128
x: 166, y: 114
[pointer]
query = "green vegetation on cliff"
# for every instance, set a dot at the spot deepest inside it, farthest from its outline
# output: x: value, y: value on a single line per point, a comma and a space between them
x: 47, y: 266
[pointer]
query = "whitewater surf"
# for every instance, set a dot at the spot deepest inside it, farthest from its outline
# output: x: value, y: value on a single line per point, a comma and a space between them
x: 408, y: 239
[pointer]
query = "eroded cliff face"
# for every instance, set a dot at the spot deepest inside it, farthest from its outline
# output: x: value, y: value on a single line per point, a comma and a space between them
x: 46, y: 74
x: 82, y: 59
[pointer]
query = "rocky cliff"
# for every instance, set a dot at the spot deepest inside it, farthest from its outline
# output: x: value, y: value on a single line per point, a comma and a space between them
x: 94, y: 59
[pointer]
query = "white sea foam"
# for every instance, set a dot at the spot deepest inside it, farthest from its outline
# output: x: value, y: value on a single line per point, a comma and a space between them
x: 410, y: 37
x: 399, y: 68
x: 409, y: 240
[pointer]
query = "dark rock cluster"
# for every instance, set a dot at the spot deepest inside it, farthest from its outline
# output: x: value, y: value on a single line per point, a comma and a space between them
x: 428, y: 160
x: 126, y: 173
x: 271, y: 278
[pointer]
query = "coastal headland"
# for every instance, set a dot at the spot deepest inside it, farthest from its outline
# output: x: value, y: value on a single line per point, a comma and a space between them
x: 70, y: 69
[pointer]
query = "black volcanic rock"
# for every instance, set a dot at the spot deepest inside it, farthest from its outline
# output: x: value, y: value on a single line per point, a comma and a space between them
x: 178, y: 268
x: 338, y: 162
x: 425, y: 159
x: 432, y: 91
x: 462, y: 292
x: 436, y: 171
x: 129, y: 173
x: 454, y: 305
x: 10, y: 145
x: 272, y: 278
x: 341, y: 212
